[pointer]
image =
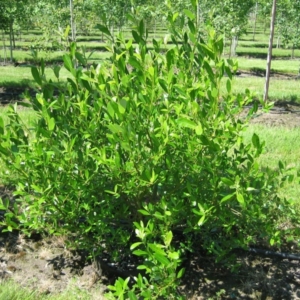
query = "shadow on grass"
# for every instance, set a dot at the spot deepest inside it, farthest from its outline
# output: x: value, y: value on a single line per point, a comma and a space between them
x: 12, y: 91
x: 251, y: 54
x: 261, y: 72
x: 21, y: 84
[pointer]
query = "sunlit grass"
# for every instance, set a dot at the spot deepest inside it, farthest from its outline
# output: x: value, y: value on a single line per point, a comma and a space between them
x: 290, y: 66
x: 51, y: 56
x: 21, y: 76
x: 12, y: 291
x: 279, y: 89
x: 281, y: 144
x: 27, y: 115
x: 284, y: 53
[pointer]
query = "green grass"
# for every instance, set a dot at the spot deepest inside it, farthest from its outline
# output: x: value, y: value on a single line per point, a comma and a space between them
x: 279, y: 89
x: 262, y: 52
x: 12, y: 291
x: 27, y: 115
x: 281, y: 144
x: 279, y: 66
x: 21, y: 76
x: 51, y: 56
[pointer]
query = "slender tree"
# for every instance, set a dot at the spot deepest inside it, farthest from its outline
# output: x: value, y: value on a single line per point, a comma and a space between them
x: 12, y: 11
x: 269, y: 59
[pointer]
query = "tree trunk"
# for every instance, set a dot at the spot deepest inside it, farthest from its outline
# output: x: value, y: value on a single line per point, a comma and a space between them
x: 13, y: 37
x: 230, y: 46
x: 266, y: 91
x: 4, y: 48
x: 255, y: 17
x: 73, y: 29
x: 11, y: 41
x: 233, y: 46
x: 278, y: 42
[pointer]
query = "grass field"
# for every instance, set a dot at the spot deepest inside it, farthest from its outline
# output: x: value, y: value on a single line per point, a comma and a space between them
x: 279, y: 89
x: 11, y: 291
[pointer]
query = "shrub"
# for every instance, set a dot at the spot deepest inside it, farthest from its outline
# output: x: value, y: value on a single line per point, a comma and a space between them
x: 146, y: 138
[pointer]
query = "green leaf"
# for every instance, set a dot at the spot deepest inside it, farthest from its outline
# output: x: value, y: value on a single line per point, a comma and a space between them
x: 201, y: 221
x: 139, y: 252
x: 129, y: 44
x: 51, y: 124
x: 66, y: 33
x: 170, y: 57
x: 168, y: 238
x: 141, y: 27
x: 144, y: 212
x: 227, y: 181
x: 73, y: 84
x: 110, y: 109
x: 180, y: 273
x: 214, y: 92
x: 199, y: 129
x: 4, y: 151
x: 68, y: 63
x: 175, y: 16
x: 1, y: 126
x: 135, y: 63
x: 36, y: 75
x: 228, y: 72
x: 255, y: 141
x: 163, y: 84
x: 227, y: 197
x: 103, y: 29
x: 122, y: 106
x: 115, y: 128
x: 56, y: 70
x: 228, y: 86
x: 142, y: 267
x: 192, y: 27
x: 281, y: 165
x: 240, y: 198
x: 162, y: 259
x: 186, y: 123
x: 4, y: 204
x: 157, y: 249
x: 80, y: 58
x: 136, y: 36
x: 132, y: 296
x: 133, y: 246
x: 125, y: 283
x: 173, y: 255
x: 189, y: 14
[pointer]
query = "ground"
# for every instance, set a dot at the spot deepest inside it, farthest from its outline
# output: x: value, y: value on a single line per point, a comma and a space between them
x: 46, y: 265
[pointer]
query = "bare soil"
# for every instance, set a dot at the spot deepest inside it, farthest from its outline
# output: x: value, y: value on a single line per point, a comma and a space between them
x: 282, y: 114
x: 47, y: 266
